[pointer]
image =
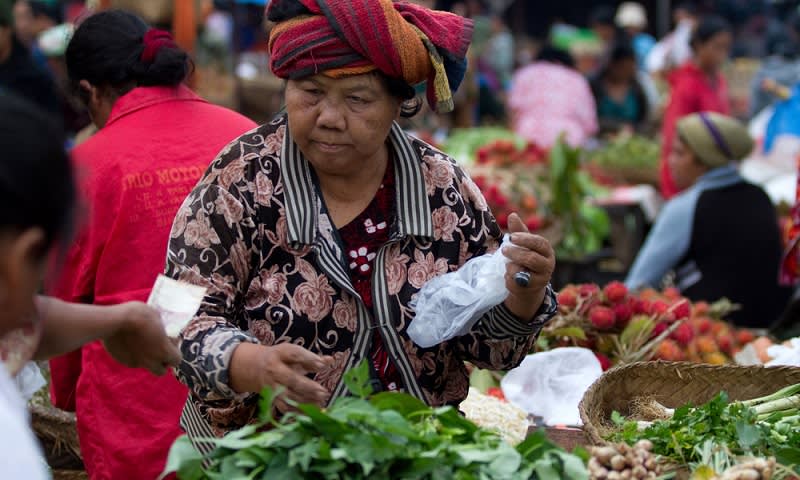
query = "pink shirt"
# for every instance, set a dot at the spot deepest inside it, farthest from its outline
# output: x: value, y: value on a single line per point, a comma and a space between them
x: 547, y: 100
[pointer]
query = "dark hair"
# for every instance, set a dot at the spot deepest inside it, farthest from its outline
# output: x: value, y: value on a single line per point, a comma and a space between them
x: 106, y: 50
x: 708, y: 28
x: 555, y: 55
x: 603, y: 15
x: 36, y: 180
x: 688, y: 7
x: 622, y: 51
x: 411, y: 104
x: 44, y: 9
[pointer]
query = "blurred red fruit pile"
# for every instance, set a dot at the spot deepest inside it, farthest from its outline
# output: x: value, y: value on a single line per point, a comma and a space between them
x: 505, y: 153
x: 515, y: 179
x: 623, y: 327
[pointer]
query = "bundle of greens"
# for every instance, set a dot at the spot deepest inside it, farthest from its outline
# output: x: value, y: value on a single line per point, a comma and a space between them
x: 767, y: 427
x: 387, y: 435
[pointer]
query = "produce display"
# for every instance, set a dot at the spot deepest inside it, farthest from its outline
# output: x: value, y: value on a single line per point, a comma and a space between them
x: 628, y: 151
x: 585, y: 225
x: 621, y: 461
x: 491, y: 412
x: 386, y: 435
x: 549, y: 191
x: 463, y: 144
x: 514, y: 179
x: 623, y: 327
x: 752, y: 439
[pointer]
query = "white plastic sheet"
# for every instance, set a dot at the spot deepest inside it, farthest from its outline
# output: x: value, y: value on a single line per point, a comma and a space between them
x: 551, y: 384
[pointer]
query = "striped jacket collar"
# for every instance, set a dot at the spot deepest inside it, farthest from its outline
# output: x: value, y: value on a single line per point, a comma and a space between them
x: 413, y: 205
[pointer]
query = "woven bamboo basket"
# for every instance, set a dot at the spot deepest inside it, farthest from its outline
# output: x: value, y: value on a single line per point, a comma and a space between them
x: 56, y: 431
x: 673, y: 384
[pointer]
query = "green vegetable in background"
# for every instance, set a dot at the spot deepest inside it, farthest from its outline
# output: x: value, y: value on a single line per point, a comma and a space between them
x: 628, y: 152
x: 585, y: 226
x: 766, y: 427
x: 387, y: 435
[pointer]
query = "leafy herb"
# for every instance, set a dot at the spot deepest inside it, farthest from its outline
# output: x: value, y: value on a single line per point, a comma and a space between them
x: 733, y: 426
x: 387, y: 435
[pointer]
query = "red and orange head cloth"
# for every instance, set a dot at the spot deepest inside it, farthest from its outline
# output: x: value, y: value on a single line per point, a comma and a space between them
x: 348, y: 37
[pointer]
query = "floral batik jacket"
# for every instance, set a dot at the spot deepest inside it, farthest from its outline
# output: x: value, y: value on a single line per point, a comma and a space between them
x: 255, y: 233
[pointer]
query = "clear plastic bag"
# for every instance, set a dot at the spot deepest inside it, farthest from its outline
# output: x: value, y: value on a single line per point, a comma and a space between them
x: 551, y: 384
x: 449, y: 305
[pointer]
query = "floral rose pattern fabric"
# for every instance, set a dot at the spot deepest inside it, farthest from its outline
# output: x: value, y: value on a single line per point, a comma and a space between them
x: 234, y: 235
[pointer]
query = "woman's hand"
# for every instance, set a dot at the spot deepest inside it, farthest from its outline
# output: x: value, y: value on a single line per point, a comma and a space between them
x: 532, y: 254
x: 254, y: 367
x: 140, y: 340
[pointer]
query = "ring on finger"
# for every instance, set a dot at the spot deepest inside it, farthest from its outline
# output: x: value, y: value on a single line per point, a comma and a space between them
x: 523, y: 278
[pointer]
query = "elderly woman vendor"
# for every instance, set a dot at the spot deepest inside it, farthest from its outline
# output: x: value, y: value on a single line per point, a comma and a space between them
x: 314, y: 232
x: 720, y: 236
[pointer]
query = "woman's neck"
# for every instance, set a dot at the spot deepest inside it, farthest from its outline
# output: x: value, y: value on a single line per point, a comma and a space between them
x: 346, y: 196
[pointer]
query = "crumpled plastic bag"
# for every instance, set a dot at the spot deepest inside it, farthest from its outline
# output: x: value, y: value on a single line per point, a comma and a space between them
x: 449, y: 305
x: 551, y: 384
x: 782, y: 355
x: 29, y: 380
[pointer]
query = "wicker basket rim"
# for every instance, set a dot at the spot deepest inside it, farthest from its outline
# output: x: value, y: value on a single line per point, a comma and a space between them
x: 637, y: 374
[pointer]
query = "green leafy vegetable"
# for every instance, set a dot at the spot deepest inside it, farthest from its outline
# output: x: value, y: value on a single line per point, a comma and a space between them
x: 388, y: 435
x: 719, y: 425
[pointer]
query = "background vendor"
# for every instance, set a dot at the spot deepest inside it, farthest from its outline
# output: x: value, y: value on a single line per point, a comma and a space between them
x: 721, y: 235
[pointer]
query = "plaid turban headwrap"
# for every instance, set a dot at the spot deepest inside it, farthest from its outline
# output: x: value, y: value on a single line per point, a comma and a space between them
x: 350, y: 37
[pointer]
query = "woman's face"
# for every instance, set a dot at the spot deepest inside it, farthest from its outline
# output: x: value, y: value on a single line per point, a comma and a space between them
x: 21, y: 272
x: 712, y: 54
x: 341, y: 125
x: 685, y: 168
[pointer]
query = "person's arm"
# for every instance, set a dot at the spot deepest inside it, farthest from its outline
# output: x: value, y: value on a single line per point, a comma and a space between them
x: 507, y: 332
x: 132, y: 332
x: 71, y: 276
x: 666, y: 244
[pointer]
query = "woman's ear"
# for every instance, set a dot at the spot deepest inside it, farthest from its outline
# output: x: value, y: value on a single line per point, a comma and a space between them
x: 25, y: 256
x: 91, y: 92
x: 21, y: 271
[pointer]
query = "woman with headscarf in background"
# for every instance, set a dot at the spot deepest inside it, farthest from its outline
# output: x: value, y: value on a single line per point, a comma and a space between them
x: 720, y: 236
x: 314, y: 232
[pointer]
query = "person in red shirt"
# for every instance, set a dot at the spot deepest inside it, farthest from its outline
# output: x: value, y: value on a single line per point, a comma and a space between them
x: 156, y: 139
x: 697, y: 86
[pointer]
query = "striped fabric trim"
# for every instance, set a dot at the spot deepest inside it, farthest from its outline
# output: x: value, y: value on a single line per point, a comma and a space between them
x: 389, y: 334
x: 299, y: 196
x: 331, y: 264
x: 193, y: 423
x: 501, y: 324
x: 413, y: 205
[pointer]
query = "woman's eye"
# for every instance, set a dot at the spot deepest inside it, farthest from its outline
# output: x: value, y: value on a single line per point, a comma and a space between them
x: 313, y: 91
x: 356, y: 99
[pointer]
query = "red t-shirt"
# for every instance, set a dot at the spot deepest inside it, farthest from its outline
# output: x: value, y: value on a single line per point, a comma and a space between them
x: 133, y: 175
x: 363, y: 238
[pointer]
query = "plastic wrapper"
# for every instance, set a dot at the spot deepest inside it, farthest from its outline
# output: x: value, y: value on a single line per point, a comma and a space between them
x: 449, y: 305
x: 551, y: 384
x: 29, y: 380
x: 785, y: 355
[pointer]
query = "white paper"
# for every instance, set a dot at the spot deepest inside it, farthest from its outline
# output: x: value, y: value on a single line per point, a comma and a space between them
x: 176, y: 302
